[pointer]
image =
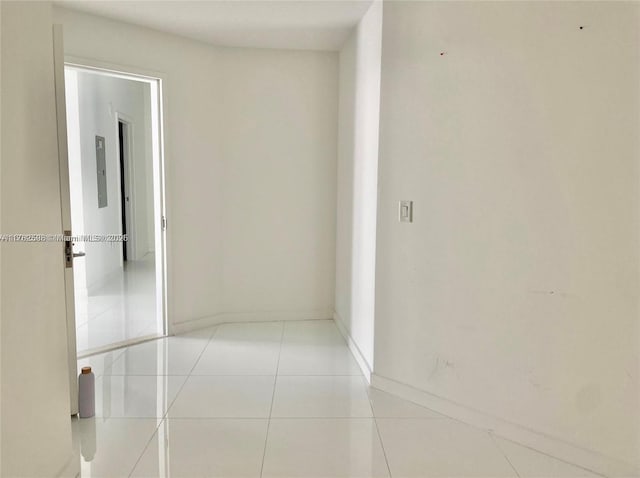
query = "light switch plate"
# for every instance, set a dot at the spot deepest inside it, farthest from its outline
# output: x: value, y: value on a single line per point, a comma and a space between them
x: 405, y: 211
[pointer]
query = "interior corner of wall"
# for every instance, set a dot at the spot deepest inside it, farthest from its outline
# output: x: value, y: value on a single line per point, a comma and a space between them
x: 363, y: 363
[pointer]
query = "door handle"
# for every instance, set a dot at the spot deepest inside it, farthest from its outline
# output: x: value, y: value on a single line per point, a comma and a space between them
x: 68, y: 250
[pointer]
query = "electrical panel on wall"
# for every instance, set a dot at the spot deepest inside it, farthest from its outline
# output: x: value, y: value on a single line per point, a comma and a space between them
x: 101, y: 170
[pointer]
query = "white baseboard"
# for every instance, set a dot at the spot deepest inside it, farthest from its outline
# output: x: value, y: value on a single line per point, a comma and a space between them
x: 565, y: 451
x: 353, y: 347
x: 260, y: 316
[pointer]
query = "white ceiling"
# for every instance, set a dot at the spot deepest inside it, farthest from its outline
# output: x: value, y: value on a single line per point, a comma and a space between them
x: 296, y: 24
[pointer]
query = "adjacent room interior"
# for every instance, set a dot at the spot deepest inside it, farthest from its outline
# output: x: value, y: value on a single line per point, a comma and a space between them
x: 111, y: 126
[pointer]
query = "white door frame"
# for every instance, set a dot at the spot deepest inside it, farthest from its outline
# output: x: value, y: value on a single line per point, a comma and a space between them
x: 156, y: 81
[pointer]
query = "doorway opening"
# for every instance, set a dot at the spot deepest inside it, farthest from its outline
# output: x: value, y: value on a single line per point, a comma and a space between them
x: 114, y: 134
x: 123, y: 153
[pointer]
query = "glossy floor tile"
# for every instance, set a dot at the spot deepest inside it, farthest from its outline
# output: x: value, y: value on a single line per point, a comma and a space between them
x: 331, y: 397
x: 108, y: 447
x: 442, y: 448
x: 167, y: 356
x: 205, y: 447
x: 250, y: 333
x: 122, y: 308
x: 312, y: 332
x: 280, y: 400
x: 238, y: 358
x: 317, y: 360
x: 385, y: 405
x: 224, y: 397
x: 121, y: 396
x: 100, y: 364
x: 324, y: 448
x: 531, y: 464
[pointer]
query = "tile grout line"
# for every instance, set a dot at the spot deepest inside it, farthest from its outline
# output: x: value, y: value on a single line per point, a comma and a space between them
x: 155, y: 432
x: 575, y: 465
x: 164, y: 417
x: 195, y: 364
x: 273, y: 395
x: 215, y: 331
x: 98, y: 316
x: 384, y: 452
x: 495, y: 442
x: 262, y: 417
x: 491, y: 432
x: 117, y: 357
x: 375, y: 422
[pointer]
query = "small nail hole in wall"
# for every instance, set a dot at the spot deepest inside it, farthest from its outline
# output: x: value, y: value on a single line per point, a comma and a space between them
x: 441, y: 53
x: 581, y: 27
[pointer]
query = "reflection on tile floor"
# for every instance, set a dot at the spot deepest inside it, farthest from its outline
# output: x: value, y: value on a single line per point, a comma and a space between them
x: 121, y: 309
x: 273, y: 400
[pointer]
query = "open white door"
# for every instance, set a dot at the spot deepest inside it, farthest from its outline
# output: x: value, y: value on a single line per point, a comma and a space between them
x: 65, y: 202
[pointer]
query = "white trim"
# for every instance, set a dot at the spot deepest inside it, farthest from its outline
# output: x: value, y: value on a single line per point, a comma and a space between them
x: 126, y: 72
x: 162, y: 237
x: 555, y: 447
x: 260, y: 316
x: 119, y: 345
x: 353, y: 347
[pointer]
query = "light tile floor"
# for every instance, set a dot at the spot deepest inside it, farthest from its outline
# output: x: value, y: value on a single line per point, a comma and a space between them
x: 121, y: 309
x: 273, y: 400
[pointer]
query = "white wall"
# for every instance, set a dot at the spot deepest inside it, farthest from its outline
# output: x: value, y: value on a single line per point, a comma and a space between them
x: 0, y: 253
x: 515, y: 291
x: 278, y: 148
x: 358, y: 123
x: 250, y: 145
x: 100, y: 98
x: 36, y: 434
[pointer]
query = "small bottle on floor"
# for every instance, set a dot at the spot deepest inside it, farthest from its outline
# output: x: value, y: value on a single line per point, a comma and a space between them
x: 86, y: 393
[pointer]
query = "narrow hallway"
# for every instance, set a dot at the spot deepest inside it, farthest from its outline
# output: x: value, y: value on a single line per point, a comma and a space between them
x: 274, y: 399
